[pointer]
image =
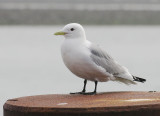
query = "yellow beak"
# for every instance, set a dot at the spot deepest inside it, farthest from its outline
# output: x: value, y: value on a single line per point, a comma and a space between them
x: 60, y: 33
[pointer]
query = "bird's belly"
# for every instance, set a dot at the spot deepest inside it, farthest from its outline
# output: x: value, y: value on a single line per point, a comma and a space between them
x: 84, y: 68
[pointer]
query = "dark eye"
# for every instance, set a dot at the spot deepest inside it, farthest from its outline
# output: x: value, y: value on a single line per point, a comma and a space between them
x: 72, y: 29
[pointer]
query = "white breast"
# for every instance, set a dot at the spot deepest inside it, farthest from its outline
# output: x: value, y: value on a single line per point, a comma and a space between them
x: 76, y: 57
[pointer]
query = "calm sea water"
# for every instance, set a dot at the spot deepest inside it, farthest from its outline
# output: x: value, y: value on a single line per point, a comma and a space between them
x: 31, y: 64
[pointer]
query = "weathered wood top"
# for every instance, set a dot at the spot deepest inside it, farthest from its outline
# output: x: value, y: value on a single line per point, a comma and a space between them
x: 101, y: 103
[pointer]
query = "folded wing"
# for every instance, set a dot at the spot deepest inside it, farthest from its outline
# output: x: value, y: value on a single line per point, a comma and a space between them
x: 102, y: 59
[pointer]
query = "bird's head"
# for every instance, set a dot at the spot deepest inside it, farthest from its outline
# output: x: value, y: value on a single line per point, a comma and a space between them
x: 72, y: 31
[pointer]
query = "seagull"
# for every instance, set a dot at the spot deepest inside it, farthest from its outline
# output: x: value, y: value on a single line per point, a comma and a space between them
x: 89, y: 61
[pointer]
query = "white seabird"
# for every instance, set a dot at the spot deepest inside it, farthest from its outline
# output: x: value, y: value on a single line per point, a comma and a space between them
x: 89, y: 61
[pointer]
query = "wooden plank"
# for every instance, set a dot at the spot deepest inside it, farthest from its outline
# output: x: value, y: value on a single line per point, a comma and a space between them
x: 110, y: 104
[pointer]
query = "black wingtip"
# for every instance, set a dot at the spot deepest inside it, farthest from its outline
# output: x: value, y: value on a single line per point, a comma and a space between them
x: 139, y: 79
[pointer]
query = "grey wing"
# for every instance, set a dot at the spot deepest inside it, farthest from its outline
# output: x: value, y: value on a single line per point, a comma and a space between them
x: 102, y: 59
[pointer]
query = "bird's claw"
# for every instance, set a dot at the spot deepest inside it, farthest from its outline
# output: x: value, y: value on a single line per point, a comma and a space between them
x: 152, y: 91
x: 90, y: 93
x: 78, y: 93
x: 84, y: 93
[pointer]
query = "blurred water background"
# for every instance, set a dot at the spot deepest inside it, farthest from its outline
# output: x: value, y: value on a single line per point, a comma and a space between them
x: 47, y: 12
x: 30, y: 58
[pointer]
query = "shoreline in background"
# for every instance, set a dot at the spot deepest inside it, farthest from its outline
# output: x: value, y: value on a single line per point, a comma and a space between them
x: 51, y: 12
x: 59, y: 17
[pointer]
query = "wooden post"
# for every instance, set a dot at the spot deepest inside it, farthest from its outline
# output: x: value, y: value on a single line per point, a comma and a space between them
x: 102, y: 104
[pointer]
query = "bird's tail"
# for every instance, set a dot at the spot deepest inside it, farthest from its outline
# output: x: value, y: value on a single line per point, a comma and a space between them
x: 139, y: 79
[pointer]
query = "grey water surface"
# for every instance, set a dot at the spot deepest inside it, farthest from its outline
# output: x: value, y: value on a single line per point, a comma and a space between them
x: 31, y: 63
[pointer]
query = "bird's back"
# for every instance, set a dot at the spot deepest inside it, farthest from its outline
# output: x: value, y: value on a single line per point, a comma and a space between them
x: 102, y: 59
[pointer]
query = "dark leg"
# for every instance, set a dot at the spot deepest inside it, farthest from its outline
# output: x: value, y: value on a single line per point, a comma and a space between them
x: 84, y: 88
x: 95, y: 90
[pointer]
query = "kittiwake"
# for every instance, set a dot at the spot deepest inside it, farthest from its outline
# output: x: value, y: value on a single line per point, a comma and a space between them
x: 89, y: 61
